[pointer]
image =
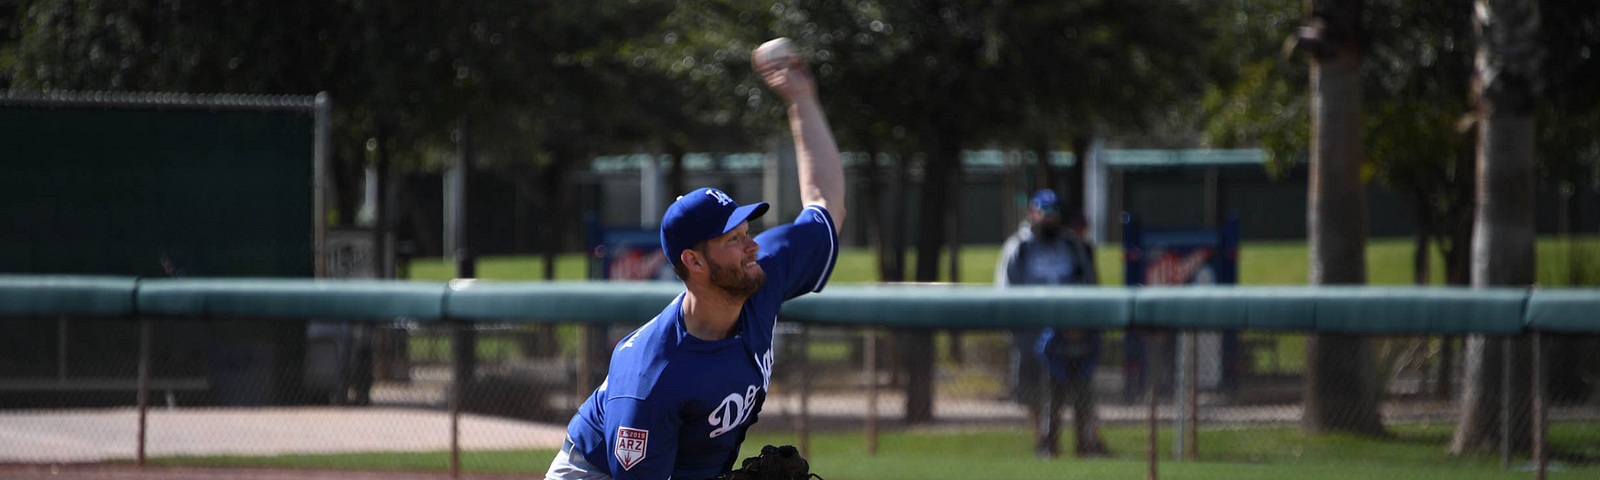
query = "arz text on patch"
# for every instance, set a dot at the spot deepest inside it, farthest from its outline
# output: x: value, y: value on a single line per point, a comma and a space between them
x: 631, y: 443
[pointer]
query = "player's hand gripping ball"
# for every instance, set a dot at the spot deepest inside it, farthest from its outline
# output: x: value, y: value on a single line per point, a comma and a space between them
x: 776, y: 53
x: 774, y: 463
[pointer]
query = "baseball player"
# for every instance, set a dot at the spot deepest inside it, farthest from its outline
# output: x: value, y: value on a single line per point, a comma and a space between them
x: 1044, y: 251
x: 683, y: 389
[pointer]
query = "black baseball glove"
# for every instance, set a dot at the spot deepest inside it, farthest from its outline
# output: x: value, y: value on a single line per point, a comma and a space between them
x: 774, y: 463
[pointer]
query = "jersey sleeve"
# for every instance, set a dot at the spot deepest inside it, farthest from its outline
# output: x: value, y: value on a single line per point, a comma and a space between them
x: 642, y: 439
x: 799, y: 256
x: 1006, y: 269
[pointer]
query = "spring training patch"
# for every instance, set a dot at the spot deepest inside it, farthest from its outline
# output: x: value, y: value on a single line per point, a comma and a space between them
x: 631, y: 444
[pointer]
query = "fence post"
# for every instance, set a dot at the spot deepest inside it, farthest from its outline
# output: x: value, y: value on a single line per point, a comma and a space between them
x: 1191, y: 386
x: 804, y: 427
x: 581, y: 388
x: 1505, y: 402
x: 144, y: 387
x: 458, y: 386
x: 1185, y: 395
x: 870, y: 358
x: 61, y: 348
x: 464, y: 340
x: 1150, y: 398
x: 1539, y: 424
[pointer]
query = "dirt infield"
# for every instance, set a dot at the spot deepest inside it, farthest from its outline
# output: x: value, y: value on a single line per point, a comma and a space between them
x: 102, y: 472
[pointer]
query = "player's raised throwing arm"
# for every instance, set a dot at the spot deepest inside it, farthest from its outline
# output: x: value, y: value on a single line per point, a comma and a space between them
x: 816, y: 154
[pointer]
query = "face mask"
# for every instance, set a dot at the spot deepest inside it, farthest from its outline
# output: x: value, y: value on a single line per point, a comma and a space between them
x: 1048, y: 232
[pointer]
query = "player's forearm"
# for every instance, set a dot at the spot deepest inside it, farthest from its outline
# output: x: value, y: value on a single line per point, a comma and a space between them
x: 817, y: 158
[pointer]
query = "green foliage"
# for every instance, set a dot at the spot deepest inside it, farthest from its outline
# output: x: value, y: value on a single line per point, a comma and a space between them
x: 1260, y: 108
x: 1568, y: 149
x: 1416, y: 76
x: 10, y: 31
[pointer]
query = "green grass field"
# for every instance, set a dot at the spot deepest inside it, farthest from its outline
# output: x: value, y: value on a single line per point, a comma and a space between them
x: 1561, y: 262
x: 1415, y: 452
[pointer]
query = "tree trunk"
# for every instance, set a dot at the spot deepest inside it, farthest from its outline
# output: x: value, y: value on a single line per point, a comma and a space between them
x: 348, y: 173
x: 941, y: 163
x: 556, y: 197
x: 422, y: 230
x: 381, y: 251
x: 1456, y: 221
x: 1505, y: 87
x: 889, y: 358
x: 894, y: 266
x: 1045, y: 176
x: 1454, y: 236
x: 953, y: 229
x: 1419, y: 241
x: 916, y: 345
x: 1341, y: 393
x: 872, y: 202
x: 675, y: 177
x: 956, y: 184
x: 1072, y: 195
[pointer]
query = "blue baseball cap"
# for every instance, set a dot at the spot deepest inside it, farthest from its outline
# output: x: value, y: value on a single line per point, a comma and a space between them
x: 1045, y: 201
x: 700, y: 215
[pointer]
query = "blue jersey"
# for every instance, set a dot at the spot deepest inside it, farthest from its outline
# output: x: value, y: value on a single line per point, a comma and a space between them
x: 676, y: 406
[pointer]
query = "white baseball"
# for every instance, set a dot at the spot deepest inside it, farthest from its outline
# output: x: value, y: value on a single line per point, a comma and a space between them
x: 773, y: 51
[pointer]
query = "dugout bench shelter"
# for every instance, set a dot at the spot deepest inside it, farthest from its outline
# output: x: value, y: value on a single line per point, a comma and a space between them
x: 158, y: 185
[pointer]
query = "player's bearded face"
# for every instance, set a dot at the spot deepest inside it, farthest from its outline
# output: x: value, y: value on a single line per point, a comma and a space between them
x: 737, y: 272
x: 735, y: 279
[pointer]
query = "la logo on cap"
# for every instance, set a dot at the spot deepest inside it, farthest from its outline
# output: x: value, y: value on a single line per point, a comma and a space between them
x: 722, y: 198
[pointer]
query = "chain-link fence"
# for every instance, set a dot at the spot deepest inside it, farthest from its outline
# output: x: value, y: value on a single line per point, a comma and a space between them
x: 257, y: 388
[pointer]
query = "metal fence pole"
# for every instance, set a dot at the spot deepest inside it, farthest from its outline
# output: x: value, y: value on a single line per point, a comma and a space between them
x: 1192, y: 394
x: 144, y: 387
x: 870, y: 358
x: 322, y: 153
x: 581, y: 388
x: 804, y: 426
x: 458, y: 386
x: 1505, y: 402
x: 1180, y: 421
x: 1150, y: 397
x: 61, y: 348
x: 1539, y: 424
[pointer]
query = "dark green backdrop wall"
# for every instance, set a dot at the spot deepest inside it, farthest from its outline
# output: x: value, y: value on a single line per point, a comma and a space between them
x: 114, y: 190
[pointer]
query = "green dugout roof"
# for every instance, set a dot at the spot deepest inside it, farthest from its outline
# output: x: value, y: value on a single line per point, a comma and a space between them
x: 50, y: 295
x: 292, y: 298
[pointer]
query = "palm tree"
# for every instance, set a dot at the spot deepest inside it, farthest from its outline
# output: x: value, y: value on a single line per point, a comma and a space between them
x: 1340, y: 392
x: 1506, y: 87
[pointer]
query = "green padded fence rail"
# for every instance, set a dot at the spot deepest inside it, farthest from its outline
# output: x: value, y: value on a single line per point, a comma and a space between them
x: 1564, y: 310
x: 596, y: 302
x: 943, y: 306
x: 51, y: 295
x: 1354, y: 309
x: 1333, y: 309
x: 292, y: 298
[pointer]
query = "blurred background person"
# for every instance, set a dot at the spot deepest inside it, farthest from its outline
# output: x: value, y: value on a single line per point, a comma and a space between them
x: 1051, y: 368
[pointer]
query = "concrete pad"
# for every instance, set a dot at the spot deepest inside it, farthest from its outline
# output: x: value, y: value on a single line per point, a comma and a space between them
x: 93, y: 435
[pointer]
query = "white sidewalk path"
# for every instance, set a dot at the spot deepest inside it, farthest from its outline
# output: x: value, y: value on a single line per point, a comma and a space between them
x: 92, y: 435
